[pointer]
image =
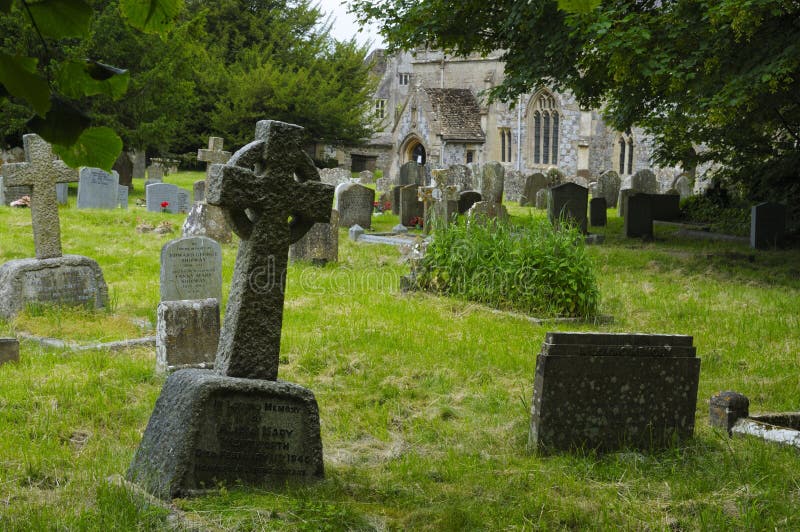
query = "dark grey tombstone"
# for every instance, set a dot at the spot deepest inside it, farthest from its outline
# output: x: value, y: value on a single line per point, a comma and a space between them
x: 665, y: 207
x: 9, y: 350
x: 157, y: 194
x: 396, y: 200
x: 568, y: 201
x: 199, y: 190
x: 355, y: 204
x: 97, y: 189
x: 638, y: 216
x: 412, y: 173
x: 598, y: 217
x: 467, y: 199
x: 410, y: 206
x: 320, y: 245
x: 611, y: 391
x: 767, y: 225
x: 238, y: 422
x: 533, y: 184
x: 726, y: 408
x: 187, y: 334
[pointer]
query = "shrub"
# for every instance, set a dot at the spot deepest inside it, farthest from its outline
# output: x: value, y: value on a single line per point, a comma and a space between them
x: 528, y: 267
x: 724, y: 215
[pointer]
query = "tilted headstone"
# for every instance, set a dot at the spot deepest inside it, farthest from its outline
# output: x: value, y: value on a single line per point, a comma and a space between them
x: 491, y: 182
x: 191, y: 268
x: 187, y: 334
x: 122, y: 197
x: 542, y: 198
x: 412, y: 173
x: 320, y: 245
x: 238, y: 423
x: 97, y: 189
x: 467, y: 199
x: 611, y: 391
x: 568, y: 202
x: 533, y: 184
x: 638, y: 216
x: 9, y: 350
x: 767, y: 225
x: 608, y: 185
x: 598, y: 217
x: 62, y: 193
x: 410, y: 206
x: 355, y: 204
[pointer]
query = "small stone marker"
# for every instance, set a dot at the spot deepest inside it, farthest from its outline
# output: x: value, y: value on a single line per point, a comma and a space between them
x: 730, y: 411
x: 598, y: 217
x: 767, y: 225
x: 725, y: 408
x: 467, y: 199
x: 122, y: 197
x: 187, y: 334
x: 320, y: 245
x: 355, y: 204
x: 238, y: 423
x: 97, y: 189
x: 355, y: 232
x: 542, y: 198
x: 639, y: 216
x: 191, y: 268
x: 611, y: 391
x: 568, y: 202
x: 410, y: 206
x: 9, y: 350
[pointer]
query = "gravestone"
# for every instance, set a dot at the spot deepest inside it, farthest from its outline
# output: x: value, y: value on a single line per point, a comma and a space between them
x: 645, y: 181
x: 187, y: 334
x: 513, y: 185
x: 682, y: 186
x: 638, y: 216
x: 238, y: 422
x: 396, y: 200
x: 123, y: 166
x: 425, y: 196
x: 461, y: 176
x: 191, y: 268
x: 665, y: 207
x: 335, y: 176
x: 491, y: 182
x: 412, y: 173
x: 158, y: 193
x: 355, y: 204
x: 204, y: 219
x: 483, y: 212
x: 445, y: 200
x: 366, y: 177
x: 62, y: 193
x: 568, y: 202
x: 410, y: 206
x: 199, y: 191
x: 97, y: 189
x: 608, y: 185
x: 611, y: 391
x: 355, y: 232
x: 383, y: 184
x: 533, y: 184
x: 139, y: 160
x: 50, y: 278
x: 155, y: 173
x: 320, y: 245
x: 622, y: 200
x: 122, y: 197
x: 598, y: 217
x: 767, y: 225
x: 467, y: 199
x: 542, y: 198
x: 9, y: 350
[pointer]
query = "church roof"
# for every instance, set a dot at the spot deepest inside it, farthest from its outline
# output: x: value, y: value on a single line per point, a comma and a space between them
x: 458, y: 113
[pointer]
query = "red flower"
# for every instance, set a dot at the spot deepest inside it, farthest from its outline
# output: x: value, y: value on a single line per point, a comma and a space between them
x: 164, y: 204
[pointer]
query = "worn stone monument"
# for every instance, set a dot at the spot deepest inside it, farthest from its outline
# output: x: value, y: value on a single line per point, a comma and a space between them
x: 412, y: 173
x: 204, y: 219
x: 568, y: 201
x: 187, y: 334
x: 354, y: 203
x: 98, y: 189
x: 238, y: 422
x: 9, y: 350
x: 608, y: 185
x: 62, y: 193
x: 610, y: 391
x: 767, y: 225
x: 191, y: 268
x: 320, y: 245
x: 483, y: 212
x: 410, y: 206
x: 122, y: 197
x: 335, y: 176
x: 598, y: 217
x: 50, y: 278
x: 513, y: 185
x: 533, y: 184
x: 542, y: 198
x: 491, y: 182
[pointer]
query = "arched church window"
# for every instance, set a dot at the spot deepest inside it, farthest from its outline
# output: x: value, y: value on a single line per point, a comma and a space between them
x: 545, y: 129
x: 623, y: 153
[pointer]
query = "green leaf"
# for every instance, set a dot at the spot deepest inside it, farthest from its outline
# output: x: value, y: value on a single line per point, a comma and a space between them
x: 87, y: 78
x: 18, y: 75
x: 63, y: 123
x: 151, y: 16
x: 98, y: 147
x: 61, y: 18
x: 578, y: 6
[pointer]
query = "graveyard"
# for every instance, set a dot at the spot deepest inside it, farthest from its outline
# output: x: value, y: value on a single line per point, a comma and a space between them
x: 424, y: 400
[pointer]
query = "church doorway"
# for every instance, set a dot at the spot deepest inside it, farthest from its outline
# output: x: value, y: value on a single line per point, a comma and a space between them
x: 416, y: 153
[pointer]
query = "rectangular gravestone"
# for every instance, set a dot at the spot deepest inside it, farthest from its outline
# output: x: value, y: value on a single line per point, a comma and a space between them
x: 665, y: 207
x: 610, y: 391
x: 9, y: 350
x: 191, y: 268
x: 598, y: 215
x: 412, y: 173
x: 568, y: 202
x: 155, y: 173
x: 767, y: 225
x: 410, y: 206
x: 97, y: 189
x: 187, y: 334
x: 183, y: 201
x: 320, y: 245
x: 62, y: 193
x: 396, y: 200
x: 355, y: 204
x: 199, y: 190
x: 638, y: 215
x: 122, y: 197
x: 160, y: 193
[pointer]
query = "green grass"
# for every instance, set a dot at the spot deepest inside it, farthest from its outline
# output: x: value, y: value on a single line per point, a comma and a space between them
x: 424, y: 400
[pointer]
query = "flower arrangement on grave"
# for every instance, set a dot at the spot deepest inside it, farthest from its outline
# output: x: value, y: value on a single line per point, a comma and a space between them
x: 164, y: 205
x: 417, y: 222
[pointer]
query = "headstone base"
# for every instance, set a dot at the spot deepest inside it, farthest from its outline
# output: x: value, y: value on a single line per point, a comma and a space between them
x: 208, y: 429
x: 207, y: 220
x: 71, y: 280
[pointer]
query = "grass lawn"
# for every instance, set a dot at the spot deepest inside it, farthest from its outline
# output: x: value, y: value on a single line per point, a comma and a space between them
x: 424, y: 400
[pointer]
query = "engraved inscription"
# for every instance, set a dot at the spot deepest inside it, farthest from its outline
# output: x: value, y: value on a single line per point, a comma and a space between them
x: 191, y: 269
x: 63, y: 285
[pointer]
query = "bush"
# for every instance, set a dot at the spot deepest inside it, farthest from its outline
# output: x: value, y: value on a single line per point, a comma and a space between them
x: 723, y: 214
x: 528, y: 267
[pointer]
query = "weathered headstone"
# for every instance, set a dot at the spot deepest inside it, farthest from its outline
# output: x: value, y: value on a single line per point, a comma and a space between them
x: 320, y: 245
x: 122, y: 197
x: 412, y: 173
x: 355, y: 204
x: 9, y: 350
x: 123, y: 166
x: 533, y: 184
x: 157, y: 194
x: 645, y: 181
x: 598, y: 217
x: 638, y: 216
x: 608, y: 185
x: 366, y: 177
x: 214, y: 154
x: 622, y: 200
x: 383, y: 184
x: 355, y: 232
x: 139, y: 159
x: 767, y: 225
x: 187, y: 334
x: 542, y: 198
x: 568, y: 201
x: 445, y: 202
x: 62, y: 193
x: 155, y: 173
x: 467, y: 199
x: 513, y: 185
x: 203, y: 219
x: 199, y: 191
x: 396, y: 200
x: 610, y: 391
x: 491, y: 182
x: 483, y: 212
x: 410, y: 206
x: 191, y: 268
x: 238, y: 423
x: 335, y: 176
x: 97, y: 189
x: 461, y: 176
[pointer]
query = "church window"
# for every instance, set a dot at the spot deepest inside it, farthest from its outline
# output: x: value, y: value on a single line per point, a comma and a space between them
x: 630, y: 155
x: 404, y: 78
x: 623, y: 153
x: 546, y: 121
x: 380, y: 108
x: 505, y: 145
x: 470, y: 156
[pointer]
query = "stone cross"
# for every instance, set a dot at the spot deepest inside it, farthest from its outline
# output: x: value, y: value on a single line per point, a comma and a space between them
x: 214, y: 154
x: 41, y: 171
x: 271, y: 194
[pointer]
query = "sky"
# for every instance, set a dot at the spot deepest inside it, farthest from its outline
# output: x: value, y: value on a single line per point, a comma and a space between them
x: 345, y: 25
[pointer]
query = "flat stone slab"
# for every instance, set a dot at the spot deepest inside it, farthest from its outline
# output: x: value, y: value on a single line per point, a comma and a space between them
x: 613, y: 391
x: 776, y: 428
x: 207, y: 428
x: 71, y: 280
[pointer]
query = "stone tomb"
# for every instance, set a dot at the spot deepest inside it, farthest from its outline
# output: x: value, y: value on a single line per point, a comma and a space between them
x: 598, y: 217
x: 191, y: 268
x: 97, y: 189
x: 158, y: 193
x: 187, y: 334
x: 491, y: 182
x: 239, y: 423
x: 320, y: 245
x: 568, y: 202
x: 767, y: 225
x: 355, y: 203
x: 610, y: 391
